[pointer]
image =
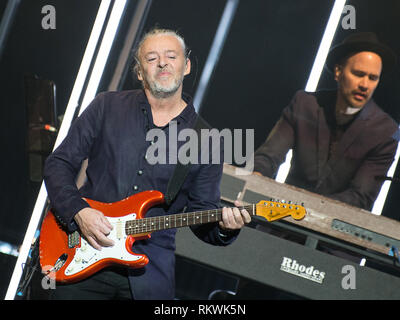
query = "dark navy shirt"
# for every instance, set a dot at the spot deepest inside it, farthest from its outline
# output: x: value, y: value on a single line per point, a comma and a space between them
x: 111, y: 134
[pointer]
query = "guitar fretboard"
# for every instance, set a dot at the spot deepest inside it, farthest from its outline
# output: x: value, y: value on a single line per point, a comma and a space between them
x: 179, y: 220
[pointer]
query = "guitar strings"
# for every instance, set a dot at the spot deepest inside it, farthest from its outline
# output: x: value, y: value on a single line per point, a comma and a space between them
x: 185, y: 219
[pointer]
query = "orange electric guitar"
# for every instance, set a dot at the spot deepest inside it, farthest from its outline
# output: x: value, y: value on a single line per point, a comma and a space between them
x: 69, y: 257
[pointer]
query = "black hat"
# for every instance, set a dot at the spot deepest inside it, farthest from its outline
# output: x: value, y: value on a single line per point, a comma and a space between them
x: 357, y: 42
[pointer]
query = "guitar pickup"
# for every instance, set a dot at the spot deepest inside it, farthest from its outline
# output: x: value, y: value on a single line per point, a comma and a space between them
x: 74, y: 239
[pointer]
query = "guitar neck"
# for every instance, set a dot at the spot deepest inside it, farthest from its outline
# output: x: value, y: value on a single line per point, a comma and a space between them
x: 179, y: 220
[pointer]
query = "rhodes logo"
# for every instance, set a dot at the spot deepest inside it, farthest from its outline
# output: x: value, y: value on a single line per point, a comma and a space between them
x: 297, y: 269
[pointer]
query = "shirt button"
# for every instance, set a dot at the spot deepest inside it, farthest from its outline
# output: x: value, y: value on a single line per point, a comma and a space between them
x: 140, y: 172
x: 135, y: 187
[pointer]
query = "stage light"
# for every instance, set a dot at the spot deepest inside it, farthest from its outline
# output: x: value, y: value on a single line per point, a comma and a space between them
x: 215, y: 51
x: 67, y: 119
x: 325, y: 45
x: 83, y: 70
x: 380, y: 200
x: 284, y: 168
x: 103, y: 53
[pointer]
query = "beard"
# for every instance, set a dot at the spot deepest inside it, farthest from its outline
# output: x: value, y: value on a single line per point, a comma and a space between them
x: 160, y: 90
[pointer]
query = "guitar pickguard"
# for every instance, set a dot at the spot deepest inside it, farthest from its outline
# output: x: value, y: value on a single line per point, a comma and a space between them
x: 86, y: 255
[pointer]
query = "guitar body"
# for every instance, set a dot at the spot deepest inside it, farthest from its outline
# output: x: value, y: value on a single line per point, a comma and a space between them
x: 70, y: 258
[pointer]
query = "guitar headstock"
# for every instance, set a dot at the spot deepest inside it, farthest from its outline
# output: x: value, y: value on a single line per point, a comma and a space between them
x: 274, y: 210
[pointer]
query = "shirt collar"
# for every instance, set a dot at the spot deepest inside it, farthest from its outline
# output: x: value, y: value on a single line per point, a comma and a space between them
x: 187, y: 114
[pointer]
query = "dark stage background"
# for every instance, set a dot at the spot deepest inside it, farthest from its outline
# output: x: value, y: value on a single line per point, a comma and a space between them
x: 267, y: 56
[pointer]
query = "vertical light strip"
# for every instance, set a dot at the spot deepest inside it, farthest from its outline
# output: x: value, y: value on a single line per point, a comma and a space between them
x: 69, y: 113
x: 98, y: 68
x: 380, y: 200
x: 216, y: 48
x: 316, y: 70
x: 325, y: 45
x: 134, y: 31
x: 83, y: 70
x: 284, y: 168
x: 104, y: 51
x: 6, y: 22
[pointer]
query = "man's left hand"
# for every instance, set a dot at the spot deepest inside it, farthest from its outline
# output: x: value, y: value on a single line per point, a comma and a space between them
x: 234, y: 218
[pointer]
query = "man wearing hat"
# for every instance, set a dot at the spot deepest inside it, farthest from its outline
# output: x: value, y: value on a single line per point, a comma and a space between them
x: 343, y: 143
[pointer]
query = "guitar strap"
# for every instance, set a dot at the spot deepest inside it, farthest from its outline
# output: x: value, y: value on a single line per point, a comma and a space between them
x: 181, y: 170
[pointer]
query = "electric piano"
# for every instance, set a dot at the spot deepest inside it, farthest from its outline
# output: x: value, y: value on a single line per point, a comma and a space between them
x: 336, y: 252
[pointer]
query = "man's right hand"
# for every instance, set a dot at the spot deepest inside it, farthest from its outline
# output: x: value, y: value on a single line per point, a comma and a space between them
x: 94, y: 227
